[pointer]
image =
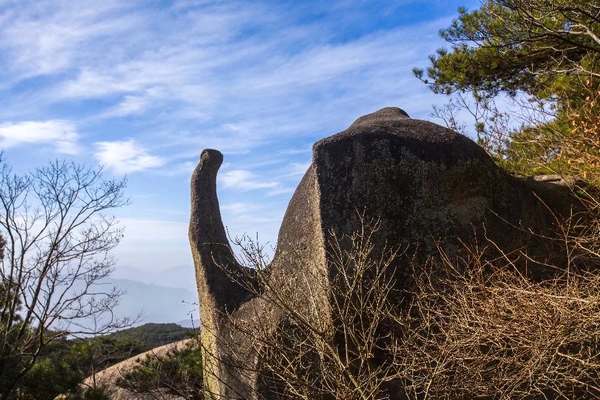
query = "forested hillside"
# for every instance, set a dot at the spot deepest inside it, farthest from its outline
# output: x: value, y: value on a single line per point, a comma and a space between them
x: 64, y: 364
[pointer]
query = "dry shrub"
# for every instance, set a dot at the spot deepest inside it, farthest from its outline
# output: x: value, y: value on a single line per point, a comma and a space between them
x: 565, y: 142
x: 328, y: 354
x: 487, y: 331
x: 581, y: 148
x: 470, y: 327
x: 481, y: 329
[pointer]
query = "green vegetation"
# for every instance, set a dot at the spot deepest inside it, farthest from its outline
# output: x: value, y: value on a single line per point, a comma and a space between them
x: 178, y: 373
x: 153, y: 335
x: 64, y: 364
x: 57, y: 235
x: 537, y: 46
x: 546, y: 56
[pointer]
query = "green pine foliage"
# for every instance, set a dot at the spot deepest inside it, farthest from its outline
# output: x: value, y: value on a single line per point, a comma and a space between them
x: 546, y: 51
x: 536, y: 46
x: 153, y: 335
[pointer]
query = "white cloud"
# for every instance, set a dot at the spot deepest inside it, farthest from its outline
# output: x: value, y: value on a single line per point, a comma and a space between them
x: 236, y: 76
x: 238, y: 208
x: 208, y: 82
x: 126, y: 156
x: 245, y: 180
x: 185, y: 168
x: 44, y: 36
x: 130, y: 105
x: 280, y: 191
x: 61, y: 134
x: 298, y: 168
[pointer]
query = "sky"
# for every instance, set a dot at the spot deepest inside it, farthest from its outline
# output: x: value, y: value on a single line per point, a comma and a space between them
x: 141, y: 87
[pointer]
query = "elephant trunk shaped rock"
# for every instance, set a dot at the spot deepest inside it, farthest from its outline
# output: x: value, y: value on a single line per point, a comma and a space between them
x: 210, y: 246
x: 425, y: 184
x: 215, y: 263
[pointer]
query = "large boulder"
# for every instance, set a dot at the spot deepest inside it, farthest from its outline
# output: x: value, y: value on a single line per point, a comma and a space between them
x: 425, y: 184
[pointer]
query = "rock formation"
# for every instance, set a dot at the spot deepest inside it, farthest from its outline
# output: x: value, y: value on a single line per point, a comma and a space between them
x: 425, y: 184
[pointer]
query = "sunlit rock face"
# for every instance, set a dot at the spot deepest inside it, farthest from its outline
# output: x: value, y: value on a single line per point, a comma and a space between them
x: 428, y: 186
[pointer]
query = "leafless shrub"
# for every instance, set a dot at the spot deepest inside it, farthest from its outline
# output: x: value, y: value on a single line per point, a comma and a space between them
x: 484, y: 330
x: 487, y: 122
x: 471, y: 327
x: 345, y: 361
x: 309, y: 350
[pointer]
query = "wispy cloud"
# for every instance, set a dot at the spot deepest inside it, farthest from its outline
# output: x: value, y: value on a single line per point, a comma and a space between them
x: 238, y: 208
x: 229, y: 75
x: 61, y: 134
x: 249, y: 218
x: 244, y: 180
x: 261, y: 81
x: 42, y: 37
x: 125, y: 156
x: 130, y: 105
x: 297, y: 168
x: 280, y: 191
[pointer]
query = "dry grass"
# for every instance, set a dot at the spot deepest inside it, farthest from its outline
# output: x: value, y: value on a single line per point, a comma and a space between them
x: 469, y: 328
x: 490, y: 332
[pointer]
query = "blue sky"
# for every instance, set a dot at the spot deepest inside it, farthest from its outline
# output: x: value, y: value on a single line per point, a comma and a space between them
x: 142, y: 87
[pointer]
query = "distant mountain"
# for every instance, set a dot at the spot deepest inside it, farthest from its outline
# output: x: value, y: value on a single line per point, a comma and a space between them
x: 182, y: 276
x: 154, y: 303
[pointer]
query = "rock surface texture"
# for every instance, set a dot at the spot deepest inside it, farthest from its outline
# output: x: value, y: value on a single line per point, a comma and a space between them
x: 424, y: 183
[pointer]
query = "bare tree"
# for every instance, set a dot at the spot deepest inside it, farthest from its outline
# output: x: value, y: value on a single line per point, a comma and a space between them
x: 344, y: 352
x: 58, y: 239
x: 491, y: 126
